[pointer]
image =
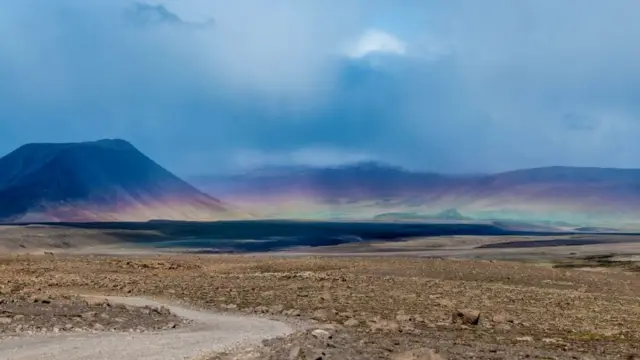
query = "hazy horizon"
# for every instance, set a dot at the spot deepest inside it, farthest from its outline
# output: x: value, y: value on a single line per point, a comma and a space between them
x: 290, y: 165
x: 212, y: 87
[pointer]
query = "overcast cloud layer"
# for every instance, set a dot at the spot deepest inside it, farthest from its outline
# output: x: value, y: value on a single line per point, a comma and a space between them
x: 206, y: 86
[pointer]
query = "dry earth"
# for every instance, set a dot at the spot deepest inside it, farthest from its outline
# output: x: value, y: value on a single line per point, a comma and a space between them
x: 473, y: 247
x: 38, y: 239
x: 35, y: 239
x: 21, y: 314
x: 374, y: 308
x: 188, y: 334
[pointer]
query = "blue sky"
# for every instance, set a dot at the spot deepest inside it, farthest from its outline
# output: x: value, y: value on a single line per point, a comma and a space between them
x: 208, y: 86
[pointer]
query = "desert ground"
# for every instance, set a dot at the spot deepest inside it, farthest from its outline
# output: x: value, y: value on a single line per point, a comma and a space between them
x: 449, y: 297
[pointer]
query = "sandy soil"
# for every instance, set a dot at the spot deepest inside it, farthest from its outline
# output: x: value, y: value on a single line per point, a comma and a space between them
x: 209, y: 332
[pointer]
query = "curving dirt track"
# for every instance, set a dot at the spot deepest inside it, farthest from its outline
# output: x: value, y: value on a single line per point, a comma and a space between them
x: 210, y: 332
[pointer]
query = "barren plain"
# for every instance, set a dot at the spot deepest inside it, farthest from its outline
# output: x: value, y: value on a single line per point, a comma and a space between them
x: 453, y: 298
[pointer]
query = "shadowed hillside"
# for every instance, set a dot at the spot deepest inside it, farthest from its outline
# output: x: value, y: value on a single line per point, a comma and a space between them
x: 566, y: 195
x: 96, y: 181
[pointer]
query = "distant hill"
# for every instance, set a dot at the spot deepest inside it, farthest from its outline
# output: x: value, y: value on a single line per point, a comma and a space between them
x: 362, y: 181
x: 106, y: 180
x: 574, y: 196
x: 448, y: 215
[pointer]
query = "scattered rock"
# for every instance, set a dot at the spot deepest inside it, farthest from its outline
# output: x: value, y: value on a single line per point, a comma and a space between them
x: 329, y: 326
x: 385, y: 325
x: 295, y: 353
x: 41, y: 300
x: 96, y: 301
x: 276, y: 309
x: 352, y: 322
x: 129, y: 308
x: 418, y: 354
x: 502, y: 319
x: 326, y: 296
x: 248, y: 355
x: 444, y: 303
x: 323, y: 315
x: 379, y: 289
x: 609, y: 332
x: 292, y: 312
x: 38, y: 314
x: 164, y: 311
x: 89, y: 315
x: 524, y: 338
x: 316, y: 354
x: 466, y: 316
x: 321, y: 334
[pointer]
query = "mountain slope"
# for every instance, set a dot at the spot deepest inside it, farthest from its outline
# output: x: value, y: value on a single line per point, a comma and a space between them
x: 560, y: 194
x: 106, y: 180
x: 364, y: 181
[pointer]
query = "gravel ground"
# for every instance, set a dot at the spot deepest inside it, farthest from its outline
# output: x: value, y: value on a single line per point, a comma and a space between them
x: 42, y: 314
x: 376, y: 308
x: 209, y: 332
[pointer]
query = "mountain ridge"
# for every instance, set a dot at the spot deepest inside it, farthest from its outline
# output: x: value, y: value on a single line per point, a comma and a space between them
x: 580, y: 195
x: 107, y: 179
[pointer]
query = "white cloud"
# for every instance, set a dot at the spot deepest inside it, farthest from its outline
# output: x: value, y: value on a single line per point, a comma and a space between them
x: 283, y: 49
x: 313, y: 156
x: 377, y: 41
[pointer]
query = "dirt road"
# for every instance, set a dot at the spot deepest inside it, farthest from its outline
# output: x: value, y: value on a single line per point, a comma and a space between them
x: 210, y: 332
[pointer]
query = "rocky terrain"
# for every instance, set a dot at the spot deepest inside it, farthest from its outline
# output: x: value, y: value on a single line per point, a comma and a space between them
x: 24, y: 314
x: 374, y: 308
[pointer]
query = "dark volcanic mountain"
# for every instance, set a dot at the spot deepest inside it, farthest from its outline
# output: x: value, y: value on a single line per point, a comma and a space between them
x: 563, y: 195
x: 106, y: 180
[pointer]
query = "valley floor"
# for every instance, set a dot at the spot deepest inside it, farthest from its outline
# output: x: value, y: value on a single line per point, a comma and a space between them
x: 371, y: 307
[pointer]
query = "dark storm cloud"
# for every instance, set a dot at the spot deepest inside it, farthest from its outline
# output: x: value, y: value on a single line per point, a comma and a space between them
x: 470, y: 86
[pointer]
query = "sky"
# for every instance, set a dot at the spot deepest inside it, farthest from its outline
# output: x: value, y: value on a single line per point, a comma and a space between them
x: 210, y: 86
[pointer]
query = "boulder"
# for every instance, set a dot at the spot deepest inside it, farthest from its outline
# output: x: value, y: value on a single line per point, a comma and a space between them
x: 321, y: 334
x: 466, y: 316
